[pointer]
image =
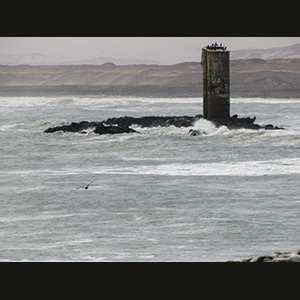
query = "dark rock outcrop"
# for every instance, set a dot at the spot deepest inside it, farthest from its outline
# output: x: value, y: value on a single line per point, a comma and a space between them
x: 99, y: 128
x: 122, y: 124
x: 73, y: 127
x: 103, y: 129
x: 235, y: 122
x: 154, y: 121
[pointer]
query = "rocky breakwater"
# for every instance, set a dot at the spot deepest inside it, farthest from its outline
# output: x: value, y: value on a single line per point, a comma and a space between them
x: 122, y: 124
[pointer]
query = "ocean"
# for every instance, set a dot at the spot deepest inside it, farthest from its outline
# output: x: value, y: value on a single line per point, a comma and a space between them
x: 157, y: 195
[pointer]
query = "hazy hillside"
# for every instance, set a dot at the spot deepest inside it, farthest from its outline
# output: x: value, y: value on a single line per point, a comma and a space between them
x: 249, y: 78
x: 117, y: 61
x: 40, y: 59
x: 106, y: 74
x: 292, y: 51
x: 265, y: 78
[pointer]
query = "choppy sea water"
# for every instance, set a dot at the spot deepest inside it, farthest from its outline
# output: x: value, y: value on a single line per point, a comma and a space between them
x: 160, y: 195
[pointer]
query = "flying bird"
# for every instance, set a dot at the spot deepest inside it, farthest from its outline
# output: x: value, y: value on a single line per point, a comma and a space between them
x: 85, y: 187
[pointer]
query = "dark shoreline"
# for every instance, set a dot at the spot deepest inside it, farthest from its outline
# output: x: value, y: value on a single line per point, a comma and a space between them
x: 151, y: 91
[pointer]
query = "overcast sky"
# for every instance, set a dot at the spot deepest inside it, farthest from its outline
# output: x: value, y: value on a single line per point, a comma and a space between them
x: 165, y: 50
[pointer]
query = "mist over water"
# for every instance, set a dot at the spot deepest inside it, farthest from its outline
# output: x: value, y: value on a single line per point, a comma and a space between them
x: 160, y: 195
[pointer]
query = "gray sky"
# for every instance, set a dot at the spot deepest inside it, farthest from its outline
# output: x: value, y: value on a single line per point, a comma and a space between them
x: 165, y: 50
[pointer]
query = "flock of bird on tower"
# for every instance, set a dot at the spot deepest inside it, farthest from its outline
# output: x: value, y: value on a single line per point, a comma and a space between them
x: 215, y: 46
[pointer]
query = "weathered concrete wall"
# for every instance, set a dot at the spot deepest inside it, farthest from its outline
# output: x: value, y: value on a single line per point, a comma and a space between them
x: 216, y: 83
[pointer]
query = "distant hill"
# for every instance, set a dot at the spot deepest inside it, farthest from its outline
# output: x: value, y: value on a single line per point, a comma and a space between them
x: 117, y: 61
x: 265, y: 78
x: 36, y: 59
x: 292, y: 51
x: 249, y: 78
x: 106, y: 74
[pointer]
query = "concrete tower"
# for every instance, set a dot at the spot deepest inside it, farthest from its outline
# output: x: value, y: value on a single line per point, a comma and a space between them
x: 216, y: 85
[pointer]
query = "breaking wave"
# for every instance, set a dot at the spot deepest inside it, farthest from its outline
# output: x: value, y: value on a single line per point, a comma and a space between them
x: 242, y: 168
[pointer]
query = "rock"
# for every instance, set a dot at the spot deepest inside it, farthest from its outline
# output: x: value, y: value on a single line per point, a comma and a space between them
x: 261, y: 259
x: 155, y: 121
x: 73, y: 127
x: 121, y: 125
x: 102, y: 129
x: 292, y: 256
x: 194, y: 132
x: 269, y: 126
x: 235, y: 122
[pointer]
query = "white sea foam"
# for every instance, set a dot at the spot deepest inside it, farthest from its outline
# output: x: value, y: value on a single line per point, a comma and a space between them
x: 247, y: 168
x: 7, y: 127
x: 31, y: 218
x: 23, y: 101
x: 242, y: 168
x: 265, y: 100
x: 111, y: 101
x: 204, y: 125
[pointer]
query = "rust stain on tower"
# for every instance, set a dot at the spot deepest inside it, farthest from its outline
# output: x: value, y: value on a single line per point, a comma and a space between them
x: 216, y: 84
